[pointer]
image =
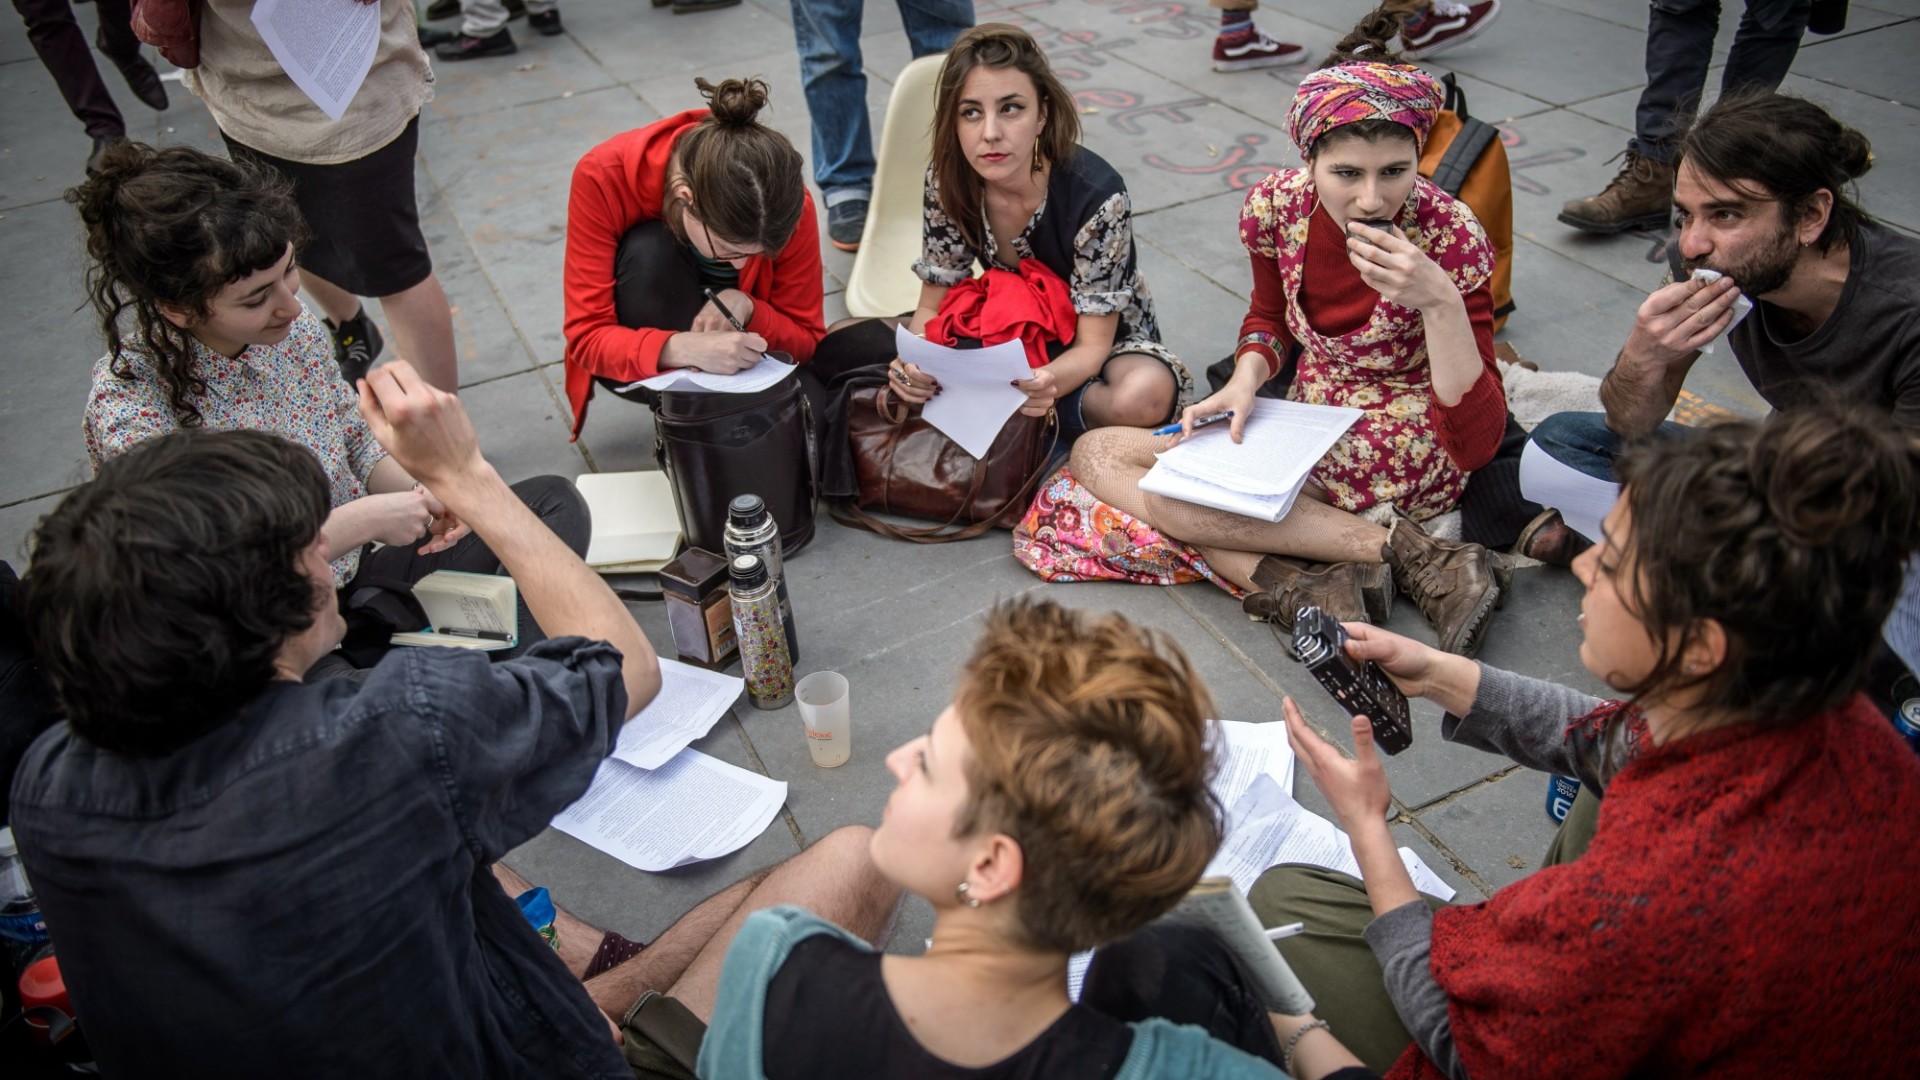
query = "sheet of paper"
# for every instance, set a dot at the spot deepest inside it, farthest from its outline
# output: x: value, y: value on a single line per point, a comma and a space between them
x: 1424, y: 878
x: 764, y: 373
x: 1249, y: 750
x: 1282, y: 442
x: 325, y: 46
x: 1741, y: 305
x: 977, y: 394
x: 690, y: 700
x: 693, y: 808
x: 1583, y: 501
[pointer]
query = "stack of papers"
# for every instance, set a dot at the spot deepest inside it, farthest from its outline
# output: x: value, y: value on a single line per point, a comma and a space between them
x: 656, y: 803
x: 1260, y: 476
x: 636, y: 525
x: 764, y: 373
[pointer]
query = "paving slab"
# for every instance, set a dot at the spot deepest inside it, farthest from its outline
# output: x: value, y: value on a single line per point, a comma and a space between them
x: 1500, y: 828
x: 543, y: 69
x: 55, y: 339
x: 1879, y: 63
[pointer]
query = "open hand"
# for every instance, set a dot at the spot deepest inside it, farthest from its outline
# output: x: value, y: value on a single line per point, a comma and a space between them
x: 1390, y: 265
x: 425, y: 429
x: 1355, y: 787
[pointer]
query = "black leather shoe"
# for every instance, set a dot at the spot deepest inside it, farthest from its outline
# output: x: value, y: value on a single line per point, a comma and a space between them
x: 143, y: 80
x: 690, y: 7
x: 443, y: 9
x: 101, y: 144
x: 467, y: 47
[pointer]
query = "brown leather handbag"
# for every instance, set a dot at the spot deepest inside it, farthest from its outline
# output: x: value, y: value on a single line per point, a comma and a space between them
x: 908, y: 467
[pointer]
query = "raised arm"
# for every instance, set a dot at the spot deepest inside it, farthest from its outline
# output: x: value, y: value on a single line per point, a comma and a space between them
x: 428, y: 432
x: 1668, y: 332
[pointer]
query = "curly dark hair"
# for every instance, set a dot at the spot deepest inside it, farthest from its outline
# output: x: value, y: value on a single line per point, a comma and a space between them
x: 174, y: 227
x: 1790, y: 149
x: 1792, y: 534
x: 160, y: 594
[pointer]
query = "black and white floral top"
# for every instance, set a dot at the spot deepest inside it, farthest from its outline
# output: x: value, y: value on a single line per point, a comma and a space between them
x: 1083, y: 231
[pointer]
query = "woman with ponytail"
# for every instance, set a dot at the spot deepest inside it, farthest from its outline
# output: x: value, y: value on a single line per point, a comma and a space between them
x: 1745, y: 907
x: 708, y: 199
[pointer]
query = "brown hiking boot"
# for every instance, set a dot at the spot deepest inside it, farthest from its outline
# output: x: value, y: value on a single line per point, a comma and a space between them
x: 1286, y: 585
x: 1640, y: 196
x: 1456, y: 586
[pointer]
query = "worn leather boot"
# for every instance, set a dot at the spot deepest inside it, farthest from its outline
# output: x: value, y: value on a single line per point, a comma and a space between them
x: 1640, y: 196
x: 1286, y: 585
x: 1548, y: 539
x: 1456, y: 586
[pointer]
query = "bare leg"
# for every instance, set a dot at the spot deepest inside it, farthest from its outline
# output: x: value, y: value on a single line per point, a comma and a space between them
x: 335, y: 302
x: 667, y: 957
x: 1137, y: 391
x: 423, y: 331
x: 1111, y: 461
x: 576, y: 941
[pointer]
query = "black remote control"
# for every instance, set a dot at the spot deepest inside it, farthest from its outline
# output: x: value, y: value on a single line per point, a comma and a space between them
x: 1320, y: 642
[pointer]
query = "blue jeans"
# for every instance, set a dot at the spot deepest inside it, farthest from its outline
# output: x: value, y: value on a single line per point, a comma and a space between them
x: 1583, y: 441
x: 828, y: 35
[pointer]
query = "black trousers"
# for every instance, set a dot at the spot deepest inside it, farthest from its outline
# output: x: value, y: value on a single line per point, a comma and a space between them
x: 1181, y: 973
x: 1680, y: 37
x: 553, y: 499
x: 656, y: 284
x: 67, y: 57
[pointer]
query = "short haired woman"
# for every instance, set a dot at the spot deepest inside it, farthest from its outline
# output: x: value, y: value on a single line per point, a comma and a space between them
x: 1378, y: 280
x: 203, y: 253
x: 1010, y: 187
x: 1753, y: 865
x: 708, y: 199
x: 1060, y: 803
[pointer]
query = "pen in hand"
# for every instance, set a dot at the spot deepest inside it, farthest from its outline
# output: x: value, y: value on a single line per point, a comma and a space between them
x: 1174, y: 428
x: 722, y: 309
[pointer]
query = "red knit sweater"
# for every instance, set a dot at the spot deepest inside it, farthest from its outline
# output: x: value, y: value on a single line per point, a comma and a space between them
x: 623, y: 182
x: 1338, y: 301
x: 1749, y: 907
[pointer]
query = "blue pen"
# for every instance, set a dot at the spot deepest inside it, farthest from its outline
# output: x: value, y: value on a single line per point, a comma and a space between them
x: 1171, y: 429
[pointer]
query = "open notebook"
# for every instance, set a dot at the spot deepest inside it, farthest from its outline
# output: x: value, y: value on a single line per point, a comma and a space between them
x: 1260, y: 476
x: 636, y: 525
x: 466, y: 611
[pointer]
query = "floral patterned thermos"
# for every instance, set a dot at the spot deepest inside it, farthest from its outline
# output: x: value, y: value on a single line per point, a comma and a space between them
x: 761, y: 633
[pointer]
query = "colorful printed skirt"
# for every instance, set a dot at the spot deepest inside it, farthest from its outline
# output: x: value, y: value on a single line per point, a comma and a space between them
x: 1068, y: 534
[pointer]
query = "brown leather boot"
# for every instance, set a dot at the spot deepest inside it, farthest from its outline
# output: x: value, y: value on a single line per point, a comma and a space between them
x: 1286, y: 585
x: 1456, y: 586
x: 1549, y: 540
x: 1640, y: 196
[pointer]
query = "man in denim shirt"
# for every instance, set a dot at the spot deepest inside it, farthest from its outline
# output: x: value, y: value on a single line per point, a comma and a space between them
x: 249, y: 875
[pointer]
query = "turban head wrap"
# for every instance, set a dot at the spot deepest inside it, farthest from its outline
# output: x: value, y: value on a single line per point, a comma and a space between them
x: 1363, y: 90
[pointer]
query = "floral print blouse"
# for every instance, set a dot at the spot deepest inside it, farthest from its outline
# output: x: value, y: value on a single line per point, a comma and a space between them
x: 292, y: 389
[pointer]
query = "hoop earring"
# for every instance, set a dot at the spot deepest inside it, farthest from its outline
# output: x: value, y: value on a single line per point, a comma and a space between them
x: 961, y: 890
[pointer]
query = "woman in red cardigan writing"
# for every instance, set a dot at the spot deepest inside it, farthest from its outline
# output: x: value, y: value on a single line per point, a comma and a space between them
x: 709, y: 199
x: 1377, y: 279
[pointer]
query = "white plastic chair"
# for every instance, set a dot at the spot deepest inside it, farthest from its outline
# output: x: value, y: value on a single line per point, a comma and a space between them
x: 883, y: 282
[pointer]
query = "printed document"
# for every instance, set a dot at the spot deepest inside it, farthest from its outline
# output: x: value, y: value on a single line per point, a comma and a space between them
x: 1245, y: 751
x: 325, y: 46
x: 690, y: 700
x: 695, y: 807
x: 1583, y: 501
x: 1259, y: 476
x: 1267, y: 828
x: 764, y: 373
x: 977, y: 394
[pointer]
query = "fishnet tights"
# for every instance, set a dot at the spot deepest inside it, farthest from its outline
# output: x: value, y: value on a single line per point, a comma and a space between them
x: 1111, y: 461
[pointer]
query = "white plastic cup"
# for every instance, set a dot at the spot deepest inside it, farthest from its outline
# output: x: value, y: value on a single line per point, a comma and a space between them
x: 826, y: 716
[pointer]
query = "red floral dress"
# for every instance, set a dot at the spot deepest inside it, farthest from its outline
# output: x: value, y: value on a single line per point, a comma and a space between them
x: 1392, y: 454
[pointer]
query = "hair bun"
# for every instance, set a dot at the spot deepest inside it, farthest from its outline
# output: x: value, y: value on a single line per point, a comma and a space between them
x: 1856, y: 153
x: 1372, y: 39
x: 735, y: 103
x: 1826, y: 469
x: 95, y: 196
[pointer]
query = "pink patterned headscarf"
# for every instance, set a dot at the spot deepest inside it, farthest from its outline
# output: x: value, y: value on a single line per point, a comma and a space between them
x: 1363, y: 90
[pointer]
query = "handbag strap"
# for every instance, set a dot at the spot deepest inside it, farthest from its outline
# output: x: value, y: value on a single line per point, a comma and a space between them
x: 846, y: 513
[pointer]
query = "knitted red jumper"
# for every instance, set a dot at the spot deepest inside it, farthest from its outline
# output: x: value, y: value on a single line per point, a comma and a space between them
x: 1749, y: 906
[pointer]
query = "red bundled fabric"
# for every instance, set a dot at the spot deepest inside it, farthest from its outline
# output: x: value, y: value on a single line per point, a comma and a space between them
x: 172, y: 26
x: 1032, y: 304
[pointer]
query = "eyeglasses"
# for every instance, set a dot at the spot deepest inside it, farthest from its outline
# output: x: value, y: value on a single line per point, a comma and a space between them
x: 716, y: 254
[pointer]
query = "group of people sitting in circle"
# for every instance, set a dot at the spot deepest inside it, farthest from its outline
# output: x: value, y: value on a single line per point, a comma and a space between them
x: 259, y: 856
